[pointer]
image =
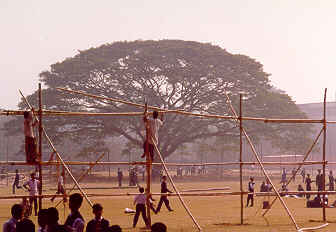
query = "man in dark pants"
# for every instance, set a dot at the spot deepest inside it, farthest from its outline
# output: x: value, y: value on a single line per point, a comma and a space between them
x: 164, y: 198
x: 251, y: 192
x: 16, y: 181
x: 33, y: 186
x: 140, y: 201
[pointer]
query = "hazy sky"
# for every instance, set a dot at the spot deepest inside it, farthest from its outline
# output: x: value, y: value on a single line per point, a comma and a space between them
x: 294, y: 39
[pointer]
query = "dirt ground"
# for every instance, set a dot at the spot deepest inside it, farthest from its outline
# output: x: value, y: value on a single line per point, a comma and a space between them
x: 212, y: 213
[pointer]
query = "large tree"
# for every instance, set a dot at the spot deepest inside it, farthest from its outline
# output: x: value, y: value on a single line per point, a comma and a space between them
x: 170, y: 74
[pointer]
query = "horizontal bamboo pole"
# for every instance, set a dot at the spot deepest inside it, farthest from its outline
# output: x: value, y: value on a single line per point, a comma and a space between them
x: 68, y: 113
x: 13, y: 163
x: 209, y: 189
x: 201, y: 194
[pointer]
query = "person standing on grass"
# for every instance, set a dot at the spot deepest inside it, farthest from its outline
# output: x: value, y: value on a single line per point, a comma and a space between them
x: 250, y: 194
x: 308, y: 182
x: 98, y: 224
x: 154, y: 126
x: 319, y: 180
x: 303, y: 174
x: 164, y: 198
x: 60, y: 187
x: 75, y: 221
x: 17, y: 214
x: 30, y: 141
x: 331, y: 181
x: 16, y: 181
x: 140, y: 202
x: 33, y: 186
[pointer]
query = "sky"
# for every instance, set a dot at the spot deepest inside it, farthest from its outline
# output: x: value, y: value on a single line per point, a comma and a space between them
x: 294, y: 40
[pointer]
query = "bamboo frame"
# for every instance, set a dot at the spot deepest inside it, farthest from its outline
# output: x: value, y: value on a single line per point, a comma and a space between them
x: 241, y: 163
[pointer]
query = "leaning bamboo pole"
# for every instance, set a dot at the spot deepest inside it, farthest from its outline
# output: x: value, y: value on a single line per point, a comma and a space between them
x: 175, y: 188
x: 296, y: 171
x: 40, y: 144
x: 58, y: 155
x: 52, y: 163
x: 262, y: 166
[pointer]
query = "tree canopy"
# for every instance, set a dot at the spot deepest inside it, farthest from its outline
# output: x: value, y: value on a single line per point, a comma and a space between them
x: 170, y: 74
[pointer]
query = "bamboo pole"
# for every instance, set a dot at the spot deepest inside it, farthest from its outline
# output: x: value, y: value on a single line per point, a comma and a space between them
x: 148, y: 169
x: 324, y: 149
x: 262, y: 167
x: 58, y: 155
x: 82, y: 176
x: 175, y: 188
x: 200, y: 194
x: 241, y: 160
x: 52, y: 163
x: 40, y: 145
x: 296, y: 171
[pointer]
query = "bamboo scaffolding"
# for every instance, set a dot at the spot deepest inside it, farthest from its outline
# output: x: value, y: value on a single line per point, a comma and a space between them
x: 51, y: 163
x: 40, y: 144
x: 58, y: 155
x: 82, y: 176
x: 262, y: 166
x: 175, y: 188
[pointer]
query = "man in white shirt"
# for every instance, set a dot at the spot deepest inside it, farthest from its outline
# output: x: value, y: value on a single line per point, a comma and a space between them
x: 154, y: 125
x: 33, y: 186
x: 140, y: 201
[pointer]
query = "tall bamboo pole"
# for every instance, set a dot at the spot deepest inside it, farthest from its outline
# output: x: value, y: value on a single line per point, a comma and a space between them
x: 148, y: 169
x: 241, y: 161
x: 40, y: 145
x: 324, y: 149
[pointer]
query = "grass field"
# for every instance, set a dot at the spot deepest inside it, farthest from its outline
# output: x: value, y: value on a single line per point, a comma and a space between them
x: 212, y: 213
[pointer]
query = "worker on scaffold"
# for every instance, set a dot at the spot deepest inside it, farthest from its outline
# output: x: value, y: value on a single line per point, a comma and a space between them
x: 30, y: 141
x: 154, y: 125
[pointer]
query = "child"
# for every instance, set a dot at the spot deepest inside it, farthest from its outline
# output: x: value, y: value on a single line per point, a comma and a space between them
x: 17, y: 213
x: 75, y: 221
x: 154, y: 126
x: 42, y: 220
x: 140, y: 201
x: 60, y: 188
x: 251, y: 192
x: 30, y: 142
x: 98, y: 224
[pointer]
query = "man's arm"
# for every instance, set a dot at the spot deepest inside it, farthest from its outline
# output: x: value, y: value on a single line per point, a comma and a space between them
x: 79, y: 225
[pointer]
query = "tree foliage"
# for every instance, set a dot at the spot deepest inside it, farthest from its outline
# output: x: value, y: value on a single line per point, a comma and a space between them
x: 170, y: 74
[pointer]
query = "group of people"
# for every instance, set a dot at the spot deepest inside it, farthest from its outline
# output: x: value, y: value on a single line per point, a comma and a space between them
x: 48, y: 220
